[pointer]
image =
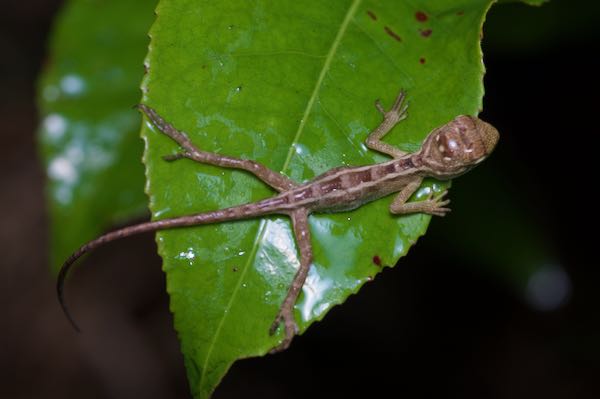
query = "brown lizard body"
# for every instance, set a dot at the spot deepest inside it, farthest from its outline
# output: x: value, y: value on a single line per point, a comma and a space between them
x: 447, y: 152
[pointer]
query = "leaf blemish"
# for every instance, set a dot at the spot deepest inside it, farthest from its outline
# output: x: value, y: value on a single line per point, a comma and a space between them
x: 421, y: 16
x: 421, y: 60
x: 425, y: 32
x: 235, y: 269
x: 377, y: 260
x: 372, y: 15
x: 392, y: 34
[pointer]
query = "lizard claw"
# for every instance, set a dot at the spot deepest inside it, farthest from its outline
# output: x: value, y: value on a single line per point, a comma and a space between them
x: 380, y: 107
x: 440, y: 211
x: 437, y: 205
x: 174, y: 157
x: 398, y: 103
x: 398, y: 110
x: 291, y: 329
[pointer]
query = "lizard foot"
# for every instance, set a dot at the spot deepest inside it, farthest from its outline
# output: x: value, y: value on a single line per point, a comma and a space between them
x: 398, y: 110
x: 286, y: 315
x: 437, y: 206
x: 175, y: 157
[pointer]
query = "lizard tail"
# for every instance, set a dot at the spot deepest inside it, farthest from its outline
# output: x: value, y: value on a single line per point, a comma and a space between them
x: 267, y: 206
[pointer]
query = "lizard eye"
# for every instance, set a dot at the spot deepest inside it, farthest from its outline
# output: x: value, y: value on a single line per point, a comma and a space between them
x: 452, y: 145
x: 447, y: 147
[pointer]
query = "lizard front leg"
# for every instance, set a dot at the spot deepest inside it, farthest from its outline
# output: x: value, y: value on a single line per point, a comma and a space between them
x: 286, y: 311
x: 390, y: 119
x: 274, y: 179
x: 433, y: 206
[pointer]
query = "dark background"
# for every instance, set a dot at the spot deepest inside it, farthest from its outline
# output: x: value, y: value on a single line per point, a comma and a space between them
x: 434, y: 325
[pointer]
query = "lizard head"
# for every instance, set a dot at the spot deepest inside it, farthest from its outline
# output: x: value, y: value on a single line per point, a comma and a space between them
x: 457, y: 146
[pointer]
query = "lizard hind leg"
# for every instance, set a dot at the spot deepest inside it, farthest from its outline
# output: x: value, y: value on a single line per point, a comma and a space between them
x: 274, y: 179
x: 286, y: 311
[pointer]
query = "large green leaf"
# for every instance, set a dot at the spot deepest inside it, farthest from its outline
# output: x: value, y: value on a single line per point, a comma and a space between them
x: 290, y: 84
x: 89, y: 131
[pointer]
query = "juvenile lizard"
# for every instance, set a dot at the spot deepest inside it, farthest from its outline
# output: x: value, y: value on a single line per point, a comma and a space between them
x: 447, y: 152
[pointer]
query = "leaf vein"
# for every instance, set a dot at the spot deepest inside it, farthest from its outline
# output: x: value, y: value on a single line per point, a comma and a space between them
x: 315, y: 93
x: 251, y: 255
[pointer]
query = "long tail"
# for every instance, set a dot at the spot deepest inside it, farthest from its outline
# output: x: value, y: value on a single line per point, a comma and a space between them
x: 246, y: 211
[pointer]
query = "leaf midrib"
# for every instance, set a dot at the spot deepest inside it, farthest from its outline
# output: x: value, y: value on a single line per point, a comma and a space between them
x: 309, y: 106
x: 319, y: 83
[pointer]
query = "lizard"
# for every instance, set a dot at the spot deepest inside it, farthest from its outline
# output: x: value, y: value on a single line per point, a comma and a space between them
x: 447, y: 152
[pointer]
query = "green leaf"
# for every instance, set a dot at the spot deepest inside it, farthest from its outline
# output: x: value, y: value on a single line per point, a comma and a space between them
x: 292, y: 85
x: 89, y: 131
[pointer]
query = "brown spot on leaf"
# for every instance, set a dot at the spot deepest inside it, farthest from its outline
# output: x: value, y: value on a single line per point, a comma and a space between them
x: 377, y: 260
x: 421, y: 16
x: 421, y: 60
x: 460, y: 13
x: 392, y: 34
x: 235, y: 269
x: 372, y: 15
x: 425, y: 32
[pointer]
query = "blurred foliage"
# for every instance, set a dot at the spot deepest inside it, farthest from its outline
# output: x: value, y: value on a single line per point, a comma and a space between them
x: 89, y: 134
